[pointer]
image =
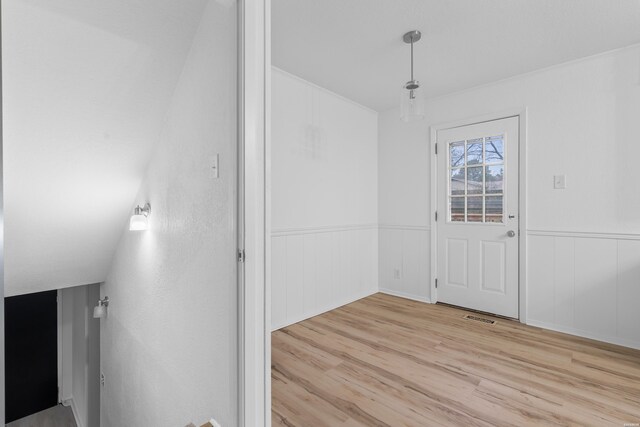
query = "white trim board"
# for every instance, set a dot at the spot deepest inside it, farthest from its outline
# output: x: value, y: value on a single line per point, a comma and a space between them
x: 584, y: 334
x: 254, y: 293
x: 345, y: 227
x: 321, y: 229
x: 61, y: 354
x: 2, y: 292
x: 404, y: 227
x: 405, y: 295
x: 74, y: 410
x: 584, y: 234
x: 266, y: 325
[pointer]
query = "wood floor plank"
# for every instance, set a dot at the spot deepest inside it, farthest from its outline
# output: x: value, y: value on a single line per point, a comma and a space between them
x: 388, y: 361
x: 301, y: 406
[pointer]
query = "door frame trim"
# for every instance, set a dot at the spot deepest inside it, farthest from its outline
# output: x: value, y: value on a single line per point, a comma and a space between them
x: 254, y: 301
x: 2, y: 378
x: 521, y: 114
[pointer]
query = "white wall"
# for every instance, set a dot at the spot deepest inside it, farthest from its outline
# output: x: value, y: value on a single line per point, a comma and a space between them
x: 324, y: 200
x: 583, y: 258
x: 168, y: 344
x: 80, y: 353
x: 405, y: 248
x: 86, y: 86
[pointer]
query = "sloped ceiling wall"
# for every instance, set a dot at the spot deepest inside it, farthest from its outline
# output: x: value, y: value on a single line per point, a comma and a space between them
x: 86, y: 86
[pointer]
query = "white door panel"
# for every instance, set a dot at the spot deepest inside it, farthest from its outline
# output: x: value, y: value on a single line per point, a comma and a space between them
x: 478, y: 216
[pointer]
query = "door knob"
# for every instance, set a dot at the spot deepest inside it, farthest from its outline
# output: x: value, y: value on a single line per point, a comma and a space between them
x: 511, y: 233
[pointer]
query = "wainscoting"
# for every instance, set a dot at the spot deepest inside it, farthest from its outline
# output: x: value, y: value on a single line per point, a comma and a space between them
x: 405, y: 261
x: 315, y: 270
x: 585, y: 284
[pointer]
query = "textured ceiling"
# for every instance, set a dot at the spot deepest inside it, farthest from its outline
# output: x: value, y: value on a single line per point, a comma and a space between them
x: 354, y: 47
x: 86, y: 84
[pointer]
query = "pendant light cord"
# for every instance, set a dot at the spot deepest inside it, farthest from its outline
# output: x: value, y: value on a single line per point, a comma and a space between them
x: 411, y: 58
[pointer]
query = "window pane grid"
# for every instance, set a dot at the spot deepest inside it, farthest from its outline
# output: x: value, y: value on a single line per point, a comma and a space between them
x: 476, y: 180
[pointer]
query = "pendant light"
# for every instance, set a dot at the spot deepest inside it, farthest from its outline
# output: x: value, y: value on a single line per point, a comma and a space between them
x: 411, y: 99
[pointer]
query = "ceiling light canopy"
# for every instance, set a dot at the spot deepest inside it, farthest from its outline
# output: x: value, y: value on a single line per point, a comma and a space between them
x: 411, y: 98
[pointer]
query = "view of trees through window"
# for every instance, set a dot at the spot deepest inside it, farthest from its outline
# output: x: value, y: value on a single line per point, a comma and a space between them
x: 476, y: 186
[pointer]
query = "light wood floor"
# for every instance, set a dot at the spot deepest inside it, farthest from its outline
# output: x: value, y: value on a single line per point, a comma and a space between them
x: 387, y: 361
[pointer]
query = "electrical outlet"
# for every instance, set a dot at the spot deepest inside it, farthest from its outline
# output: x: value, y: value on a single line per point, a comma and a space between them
x: 559, y: 182
x: 397, y: 274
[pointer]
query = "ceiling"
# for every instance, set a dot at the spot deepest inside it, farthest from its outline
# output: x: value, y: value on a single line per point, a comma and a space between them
x: 86, y: 85
x: 354, y: 47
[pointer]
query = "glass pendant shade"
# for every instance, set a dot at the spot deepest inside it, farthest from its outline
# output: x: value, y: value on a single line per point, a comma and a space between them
x: 138, y: 222
x: 411, y: 104
x: 99, y: 312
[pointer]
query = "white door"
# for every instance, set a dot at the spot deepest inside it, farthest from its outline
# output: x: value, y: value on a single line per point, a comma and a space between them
x: 478, y: 216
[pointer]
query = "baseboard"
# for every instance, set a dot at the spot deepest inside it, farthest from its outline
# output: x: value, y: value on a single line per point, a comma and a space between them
x: 584, y: 334
x: 325, y: 309
x: 404, y: 295
x: 74, y: 409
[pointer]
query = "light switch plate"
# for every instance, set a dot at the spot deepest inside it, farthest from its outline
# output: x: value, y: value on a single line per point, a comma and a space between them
x: 559, y: 182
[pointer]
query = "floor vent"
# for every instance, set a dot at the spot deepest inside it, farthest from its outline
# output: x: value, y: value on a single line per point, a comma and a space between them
x: 479, y: 319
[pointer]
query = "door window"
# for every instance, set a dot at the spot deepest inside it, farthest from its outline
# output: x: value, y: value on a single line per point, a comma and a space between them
x: 476, y: 180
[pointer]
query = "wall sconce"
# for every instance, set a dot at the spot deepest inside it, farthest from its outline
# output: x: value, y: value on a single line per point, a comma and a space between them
x: 139, y: 219
x: 100, y: 310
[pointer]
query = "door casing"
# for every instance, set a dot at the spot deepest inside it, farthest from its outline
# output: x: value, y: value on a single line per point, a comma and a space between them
x: 254, y: 294
x: 522, y: 203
